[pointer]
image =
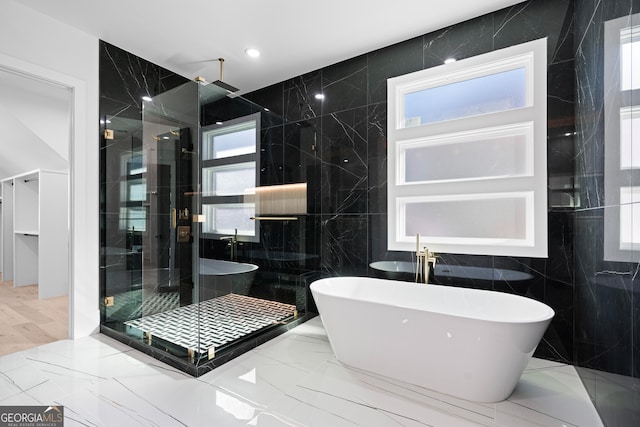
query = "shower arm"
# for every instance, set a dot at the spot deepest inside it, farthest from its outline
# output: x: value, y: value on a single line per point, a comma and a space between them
x: 221, y: 60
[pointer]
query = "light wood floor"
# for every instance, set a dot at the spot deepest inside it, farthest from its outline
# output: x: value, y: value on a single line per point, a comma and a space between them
x: 26, y: 321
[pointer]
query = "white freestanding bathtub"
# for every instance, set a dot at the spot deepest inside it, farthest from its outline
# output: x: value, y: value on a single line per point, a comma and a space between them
x: 467, y: 343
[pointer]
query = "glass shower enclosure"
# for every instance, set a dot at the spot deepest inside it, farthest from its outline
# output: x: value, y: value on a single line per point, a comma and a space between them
x: 180, y: 214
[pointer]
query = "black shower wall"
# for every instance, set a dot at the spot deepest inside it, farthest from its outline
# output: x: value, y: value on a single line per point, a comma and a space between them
x: 606, y: 316
x: 607, y: 294
x: 348, y: 128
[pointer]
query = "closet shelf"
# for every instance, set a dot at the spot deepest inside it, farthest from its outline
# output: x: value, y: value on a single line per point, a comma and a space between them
x: 35, y: 239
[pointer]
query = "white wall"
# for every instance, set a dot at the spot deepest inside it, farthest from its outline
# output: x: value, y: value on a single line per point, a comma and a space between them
x: 35, y: 132
x: 43, y: 109
x: 42, y: 47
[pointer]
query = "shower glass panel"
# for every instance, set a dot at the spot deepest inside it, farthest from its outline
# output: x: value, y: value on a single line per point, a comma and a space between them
x: 150, y: 170
x: 188, y: 273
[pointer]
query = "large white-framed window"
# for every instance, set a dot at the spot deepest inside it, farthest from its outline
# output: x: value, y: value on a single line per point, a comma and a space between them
x: 622, y: 140
x: 230, y: 161
x: 467, y: 155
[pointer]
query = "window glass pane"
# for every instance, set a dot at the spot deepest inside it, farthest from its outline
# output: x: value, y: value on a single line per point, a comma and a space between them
x: 629, y: 216
x: 630, y: 58
x: 473, y: 218
x: 132, y: 164
x: 488, y: 94
x: 226, y: 218
x: 133, y: 190
x: 230, y: 141
x: 480, y: 156
x: 229, y: 180
x: 629, y: 146
x: 133, y: 219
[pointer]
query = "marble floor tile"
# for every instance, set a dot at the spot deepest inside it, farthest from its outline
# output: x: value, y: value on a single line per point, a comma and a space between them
x: 293, y: 380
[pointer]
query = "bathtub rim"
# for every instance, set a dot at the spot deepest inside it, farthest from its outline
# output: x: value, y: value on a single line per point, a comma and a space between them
x: 547, y: 317
x: 246, y: 267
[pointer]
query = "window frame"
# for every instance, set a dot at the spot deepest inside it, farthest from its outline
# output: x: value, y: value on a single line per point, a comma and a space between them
x: 248, y: 196
x: 533, y: 57
x: 618, y: 178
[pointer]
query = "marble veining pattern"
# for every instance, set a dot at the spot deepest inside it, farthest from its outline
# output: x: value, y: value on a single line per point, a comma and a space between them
x: 292, y: 380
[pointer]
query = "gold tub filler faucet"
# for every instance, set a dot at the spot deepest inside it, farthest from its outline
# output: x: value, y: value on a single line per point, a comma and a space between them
x: 423, y: 258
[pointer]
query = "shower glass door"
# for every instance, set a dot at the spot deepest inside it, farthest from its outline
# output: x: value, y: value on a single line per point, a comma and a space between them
x: 168, y: 235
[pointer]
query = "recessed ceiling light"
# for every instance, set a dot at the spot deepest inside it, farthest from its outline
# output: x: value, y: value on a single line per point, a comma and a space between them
x: 252, y: 52
x: 450, y: 60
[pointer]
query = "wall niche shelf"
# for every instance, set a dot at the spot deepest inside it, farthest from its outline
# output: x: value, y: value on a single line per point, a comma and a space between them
x: 35, y: 231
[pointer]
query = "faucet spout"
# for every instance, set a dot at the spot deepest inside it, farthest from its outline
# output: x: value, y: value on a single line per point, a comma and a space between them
x: 423, y: 258
x: 233, y: 244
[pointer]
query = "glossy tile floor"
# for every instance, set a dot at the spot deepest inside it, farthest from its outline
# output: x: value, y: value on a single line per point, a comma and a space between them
x: 292, y: 380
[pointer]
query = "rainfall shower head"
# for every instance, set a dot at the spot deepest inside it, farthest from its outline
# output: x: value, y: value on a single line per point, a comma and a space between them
x: 225, y: 86
x: 222, y: 84
x: 219, y: 83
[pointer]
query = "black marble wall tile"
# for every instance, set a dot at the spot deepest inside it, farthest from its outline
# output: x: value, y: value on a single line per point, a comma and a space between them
x: 530, y: 280
x: 590, y: 109
x: 344, y: 85
x: 227, y: 108
x: 561, y: 109
x: 268, y: 101
x: 344, y: 166
x: 466, y: 260
x: 272, y: 156
x: 127, y: 78
x: 558, y: 340
x: 587, y: 235
x: 461, y: 41
x: 564, y: 49
x: 377, y: 158
x: 396, y: 60
x: 533, y: 20
x: 613, y: 339
x: 560, y: 262
x: 300, y: 102
x: 302, y: 141
x: 616, y: 8
x: 168, y: 80
x: 378, y: 240
x: 344, y: 243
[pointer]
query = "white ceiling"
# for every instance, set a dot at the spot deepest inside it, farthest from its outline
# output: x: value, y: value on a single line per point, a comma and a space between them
x: 294, y: 36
